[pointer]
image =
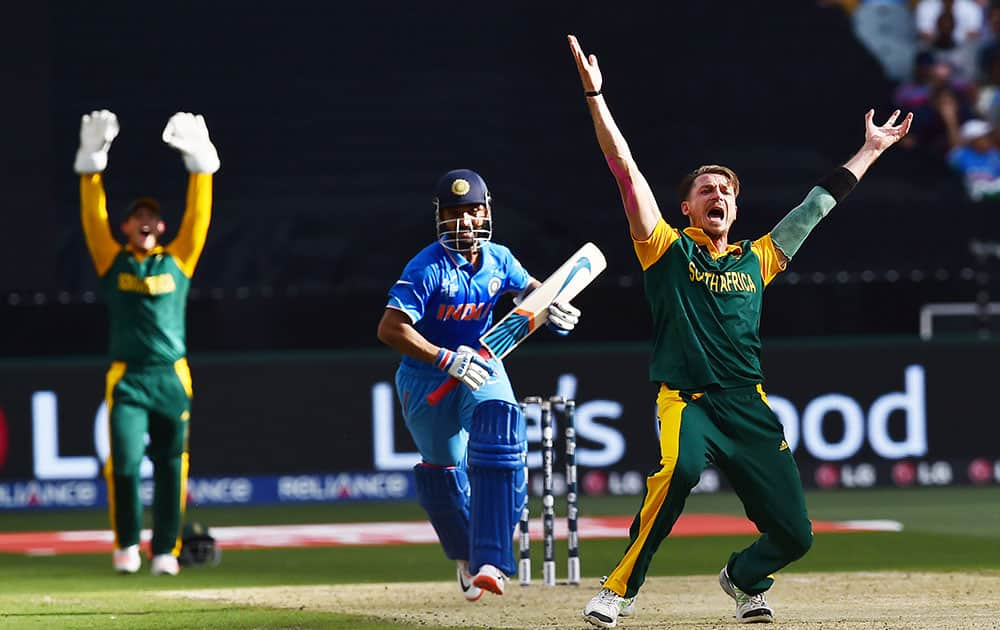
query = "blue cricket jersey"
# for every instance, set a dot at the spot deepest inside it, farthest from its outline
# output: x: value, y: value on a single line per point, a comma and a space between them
x: 448, y: 300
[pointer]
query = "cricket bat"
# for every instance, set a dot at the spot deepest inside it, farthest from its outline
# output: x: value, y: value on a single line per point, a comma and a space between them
x: 533, y: 312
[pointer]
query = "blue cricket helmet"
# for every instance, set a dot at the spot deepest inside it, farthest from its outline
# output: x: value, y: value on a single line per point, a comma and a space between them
x: 462, y: 187
x: 459, y: 187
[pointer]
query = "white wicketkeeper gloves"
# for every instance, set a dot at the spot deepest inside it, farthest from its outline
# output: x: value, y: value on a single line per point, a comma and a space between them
x: 97, y: 130
x: 563, y: 317
x: 188, y: 134
x: 185, y: 132
x: 466, y: 365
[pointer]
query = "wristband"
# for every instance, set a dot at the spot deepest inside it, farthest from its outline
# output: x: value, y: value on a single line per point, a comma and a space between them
x: 444, y: 357
x: 592, y: 94
x: 839, y: 183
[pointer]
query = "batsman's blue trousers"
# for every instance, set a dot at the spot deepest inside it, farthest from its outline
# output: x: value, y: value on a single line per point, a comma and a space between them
x: 441, y: 432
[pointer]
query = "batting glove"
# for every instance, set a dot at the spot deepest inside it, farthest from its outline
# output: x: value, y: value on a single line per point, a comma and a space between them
x: 466, y: 365
x: 97, y: 130
x: 188, y: 134
x: 563, y: 318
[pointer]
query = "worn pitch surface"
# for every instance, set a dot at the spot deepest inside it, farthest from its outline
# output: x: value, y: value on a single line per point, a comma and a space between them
x: 853, y: 601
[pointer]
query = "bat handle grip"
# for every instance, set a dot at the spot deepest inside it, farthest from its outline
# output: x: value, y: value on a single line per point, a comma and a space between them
x: 442, y: 390
x: 445, y: 388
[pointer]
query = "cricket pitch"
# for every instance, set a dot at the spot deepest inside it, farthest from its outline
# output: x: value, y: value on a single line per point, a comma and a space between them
x: 852, y: 601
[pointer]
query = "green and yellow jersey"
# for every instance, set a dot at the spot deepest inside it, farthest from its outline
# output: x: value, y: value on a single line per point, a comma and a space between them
x: 146, y: 292
x: 706, y: 307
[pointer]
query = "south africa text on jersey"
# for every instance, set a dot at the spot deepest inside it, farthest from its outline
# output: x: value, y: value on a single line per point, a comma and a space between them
x: 725, y: 282
x: 153, y: 285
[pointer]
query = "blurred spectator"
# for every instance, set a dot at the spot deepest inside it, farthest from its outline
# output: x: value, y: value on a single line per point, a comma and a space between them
x: 977, y: 158
x: 989, y: 41
x: 887, y: 30
x: 952, y: 28
x: 940, y: 104
x: 926, y: 74
x: 966, y: 19
x: 991, y: 23
x: 988, y: 100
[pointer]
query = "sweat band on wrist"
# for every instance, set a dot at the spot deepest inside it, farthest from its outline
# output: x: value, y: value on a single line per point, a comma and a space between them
x: 590, y: 94
x: 443, y: 358
x: 839, y: 183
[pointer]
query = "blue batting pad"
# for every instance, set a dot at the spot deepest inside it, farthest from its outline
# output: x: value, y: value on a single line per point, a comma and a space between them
x: 497, y: 448
x: 443, y: 492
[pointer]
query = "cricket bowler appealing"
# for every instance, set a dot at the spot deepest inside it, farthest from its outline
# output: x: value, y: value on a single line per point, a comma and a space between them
x: 705, y: 293
x: 471, y: 480
x: 145, y: 284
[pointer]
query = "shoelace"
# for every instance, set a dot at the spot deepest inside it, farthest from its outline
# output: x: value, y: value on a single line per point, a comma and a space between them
x: 754, y: 601
x: 608, y: 596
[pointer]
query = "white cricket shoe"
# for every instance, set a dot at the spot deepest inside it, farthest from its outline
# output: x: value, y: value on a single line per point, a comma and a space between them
x: 164, y: 564
x: 605, y: 608
x: 490, y: 579
x: 469, y: 590
x: 127, y: 560
x: 749, y: 608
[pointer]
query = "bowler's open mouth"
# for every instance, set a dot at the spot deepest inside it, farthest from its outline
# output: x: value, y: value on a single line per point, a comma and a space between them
x: 717, y: 213
x: 146, y: 230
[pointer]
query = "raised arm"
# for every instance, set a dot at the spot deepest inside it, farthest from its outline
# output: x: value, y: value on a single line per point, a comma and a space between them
x: 792, y: 230
x: 97, y: 130
x: 188, y: 134
x: 640, y: 207
x: 877, y: 140
x: 187, y: 246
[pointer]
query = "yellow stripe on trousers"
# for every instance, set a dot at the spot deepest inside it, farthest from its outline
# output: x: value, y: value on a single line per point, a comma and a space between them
x: 669, y: 409
x: 184, y: 375
x: 111, y: 379
x: 183, y: 498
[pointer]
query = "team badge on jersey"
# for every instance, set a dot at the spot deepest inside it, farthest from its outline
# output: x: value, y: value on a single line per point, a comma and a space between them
x: 449, y: 286
x: 494, y: 285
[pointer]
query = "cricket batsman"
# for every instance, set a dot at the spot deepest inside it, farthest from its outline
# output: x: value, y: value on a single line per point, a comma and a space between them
x: 471, y: 480
x: 705, y: 292
x: 145, y: 285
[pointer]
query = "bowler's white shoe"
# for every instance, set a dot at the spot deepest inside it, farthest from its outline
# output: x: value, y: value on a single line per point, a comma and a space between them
x: 605, y: 608
x: 164, y: 564
x: 469, y: 590
x: 490, y: 579
x: 749, y: 608
x: 126, y: 560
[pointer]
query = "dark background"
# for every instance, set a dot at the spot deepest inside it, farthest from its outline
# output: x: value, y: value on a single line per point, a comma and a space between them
x: 334, y: 120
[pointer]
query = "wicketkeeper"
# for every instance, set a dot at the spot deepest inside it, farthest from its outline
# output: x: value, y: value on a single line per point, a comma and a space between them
x: 146, y: 286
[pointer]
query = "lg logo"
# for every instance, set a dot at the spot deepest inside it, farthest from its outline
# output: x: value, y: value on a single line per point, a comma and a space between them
x: 45, y: 439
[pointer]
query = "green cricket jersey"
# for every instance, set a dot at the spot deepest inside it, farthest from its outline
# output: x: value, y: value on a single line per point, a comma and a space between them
x: 146, y: 292
x: 706, y: 307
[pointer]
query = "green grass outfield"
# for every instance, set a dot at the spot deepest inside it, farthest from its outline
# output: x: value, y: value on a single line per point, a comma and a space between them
x: 946, y: 529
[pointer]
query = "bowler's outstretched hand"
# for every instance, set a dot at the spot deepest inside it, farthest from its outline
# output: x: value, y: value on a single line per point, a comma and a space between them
x: 882, y: 137
x: 590, y: 72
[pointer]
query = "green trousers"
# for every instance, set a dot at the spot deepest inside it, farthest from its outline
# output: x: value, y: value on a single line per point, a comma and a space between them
x: 153, y: 401
x: 736, y: 430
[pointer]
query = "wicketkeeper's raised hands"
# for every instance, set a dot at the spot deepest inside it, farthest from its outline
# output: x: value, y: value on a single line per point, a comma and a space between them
x: 590, y: 72
x: 97, y: 130
x: 188, y: 134
x: 882, y: 137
